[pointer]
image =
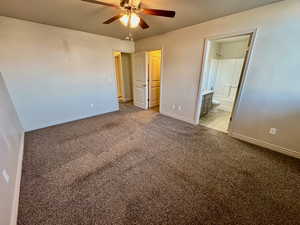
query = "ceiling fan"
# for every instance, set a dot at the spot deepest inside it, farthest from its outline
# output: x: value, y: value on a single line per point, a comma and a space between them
x: 130, y: 9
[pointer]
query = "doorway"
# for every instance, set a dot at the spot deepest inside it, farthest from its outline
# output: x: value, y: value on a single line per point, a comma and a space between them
x: 154, y: 79
x: 224, y: 68
x: 147, y: 79
x: 123, y: 76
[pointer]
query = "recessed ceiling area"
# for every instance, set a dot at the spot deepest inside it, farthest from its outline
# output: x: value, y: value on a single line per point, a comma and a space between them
x: 83, y: 16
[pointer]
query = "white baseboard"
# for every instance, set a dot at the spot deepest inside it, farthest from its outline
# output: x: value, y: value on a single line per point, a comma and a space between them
x: 125, y: 99
x: 15, y: 206
x: 59, y: 122
x: 178, y: 117
x: 267, y: 145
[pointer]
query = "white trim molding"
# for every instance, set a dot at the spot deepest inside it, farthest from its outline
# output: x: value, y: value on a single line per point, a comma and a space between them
x: 207, y: 42
x: 122, y: 99
x: 15, y: 206
x: 267, y: 145
x: 178, y: 117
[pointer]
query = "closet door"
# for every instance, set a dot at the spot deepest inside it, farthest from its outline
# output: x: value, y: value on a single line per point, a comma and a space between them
x: 140, y: 80
x: 154, y: 79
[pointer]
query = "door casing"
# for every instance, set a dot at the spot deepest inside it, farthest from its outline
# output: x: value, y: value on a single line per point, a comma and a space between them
x: 147, y: 75
x: 239, y: 93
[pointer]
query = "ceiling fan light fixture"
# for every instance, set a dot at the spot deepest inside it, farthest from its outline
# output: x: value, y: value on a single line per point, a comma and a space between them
x: 124, y: 20
x: 134, y: 20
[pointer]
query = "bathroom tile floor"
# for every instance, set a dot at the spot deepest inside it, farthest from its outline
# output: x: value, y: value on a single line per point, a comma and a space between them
x: 216, y: 119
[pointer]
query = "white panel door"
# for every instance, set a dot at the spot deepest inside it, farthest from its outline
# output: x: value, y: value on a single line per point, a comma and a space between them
x: 154, y: 79
x: 140, y: 80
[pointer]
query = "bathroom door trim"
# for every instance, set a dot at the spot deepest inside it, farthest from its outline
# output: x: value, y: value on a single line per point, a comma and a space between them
x: 207, y: 43
x: 241, y: 81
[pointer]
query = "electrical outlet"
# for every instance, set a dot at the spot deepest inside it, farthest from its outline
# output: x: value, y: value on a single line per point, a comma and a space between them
x: 5, y: 175
x: 92, y: 105
x: 273, y: 131
x: 173, y: 106
x: 180, y: 108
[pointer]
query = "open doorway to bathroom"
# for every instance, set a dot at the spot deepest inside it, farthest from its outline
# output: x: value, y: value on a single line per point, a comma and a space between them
x: 224, y: 67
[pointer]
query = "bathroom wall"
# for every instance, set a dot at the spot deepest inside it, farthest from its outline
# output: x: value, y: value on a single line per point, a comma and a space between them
x: 227, y: 79
x: 210, y: 69
x: 233, y: 49
x: 226, y: 71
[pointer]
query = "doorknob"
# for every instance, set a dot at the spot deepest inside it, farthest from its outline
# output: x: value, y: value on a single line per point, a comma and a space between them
x: 145, y: 85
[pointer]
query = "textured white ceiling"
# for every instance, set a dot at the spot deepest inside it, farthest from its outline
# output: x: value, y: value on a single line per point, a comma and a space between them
x: 78, y: 15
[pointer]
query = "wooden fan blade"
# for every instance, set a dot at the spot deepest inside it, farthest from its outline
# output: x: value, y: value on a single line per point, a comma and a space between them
x: 116, y: 17
x: 143, y: 24
x: 159, y: 12
x: 101, y: 3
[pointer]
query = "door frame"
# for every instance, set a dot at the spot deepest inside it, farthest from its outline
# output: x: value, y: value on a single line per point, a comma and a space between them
x: 115, y: 74
x: 236, y: 104
x: 161, y: 75
x: 121, y: 76
x: 147, y: 74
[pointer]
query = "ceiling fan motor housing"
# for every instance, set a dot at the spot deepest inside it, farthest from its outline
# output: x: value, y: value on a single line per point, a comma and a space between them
x: 130, y: 4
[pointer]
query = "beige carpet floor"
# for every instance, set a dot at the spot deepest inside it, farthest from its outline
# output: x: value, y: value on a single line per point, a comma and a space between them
x: 139, y: 167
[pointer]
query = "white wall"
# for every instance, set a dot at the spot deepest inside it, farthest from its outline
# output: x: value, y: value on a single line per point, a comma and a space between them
x: 234, y: 49
x: 11, y: 149
x: 211, y: 68
x: 54, y: 75
x: 271, y: 96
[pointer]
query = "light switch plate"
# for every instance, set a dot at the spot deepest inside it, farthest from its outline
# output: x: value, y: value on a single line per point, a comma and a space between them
x: 5, y: 175
x: 273, y: 131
